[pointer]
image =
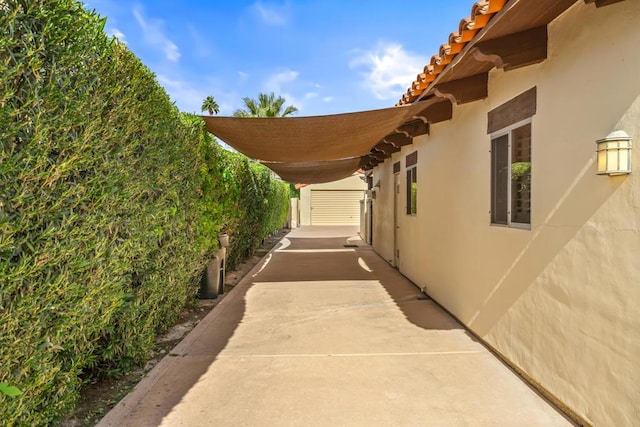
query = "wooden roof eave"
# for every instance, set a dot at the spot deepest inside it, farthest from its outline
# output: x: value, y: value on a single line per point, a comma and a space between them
x: 515, y: 17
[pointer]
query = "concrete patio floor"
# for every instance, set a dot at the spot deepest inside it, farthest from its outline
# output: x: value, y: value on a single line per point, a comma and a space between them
x: 320, y: 334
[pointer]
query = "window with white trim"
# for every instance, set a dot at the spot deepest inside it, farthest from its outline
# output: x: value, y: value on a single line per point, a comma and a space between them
x: 511, y: 176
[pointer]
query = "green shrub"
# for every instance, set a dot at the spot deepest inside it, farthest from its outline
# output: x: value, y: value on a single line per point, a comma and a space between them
x: 238, y: 196
x: 110, y: 204
x: 110, y: 201
x: 99, y: 207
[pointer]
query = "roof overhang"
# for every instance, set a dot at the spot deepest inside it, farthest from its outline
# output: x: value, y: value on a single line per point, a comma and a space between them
x: 503, y: 34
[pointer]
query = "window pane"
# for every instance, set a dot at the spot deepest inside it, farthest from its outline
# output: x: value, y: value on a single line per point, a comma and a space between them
x: 414, y: 191
x: 409, y: 191
x: 499, y: 179
x: 521, y: 175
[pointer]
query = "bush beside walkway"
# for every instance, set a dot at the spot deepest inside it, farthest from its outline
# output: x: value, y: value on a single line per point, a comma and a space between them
x: 110, y: 204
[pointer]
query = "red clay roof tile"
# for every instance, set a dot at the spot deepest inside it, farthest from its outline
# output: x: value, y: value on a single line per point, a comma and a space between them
x: 481, y: 14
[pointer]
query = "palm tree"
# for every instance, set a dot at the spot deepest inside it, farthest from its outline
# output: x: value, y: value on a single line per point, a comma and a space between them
x: 209, y: 104
x: 265, y: 106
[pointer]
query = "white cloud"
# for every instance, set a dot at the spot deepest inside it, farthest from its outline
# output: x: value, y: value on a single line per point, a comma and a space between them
x: 292, y: 100
x: 276, y: 81
x: 276, y: 84
x: 270, y: 14
x: 117, y: 34
x: 186, y: 97
x: 327, y: 98
x: 200, y: 43
x: 154, y: 35
x: 310, y: 95
x: 242, y: 75
x: 389, y: 69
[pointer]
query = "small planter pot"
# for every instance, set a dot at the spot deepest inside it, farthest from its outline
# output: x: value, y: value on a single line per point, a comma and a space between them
x: 223, y: 240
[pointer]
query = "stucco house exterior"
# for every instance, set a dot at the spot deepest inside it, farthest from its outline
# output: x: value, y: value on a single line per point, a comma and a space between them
x: 505, y: 185
x: 497, y: 209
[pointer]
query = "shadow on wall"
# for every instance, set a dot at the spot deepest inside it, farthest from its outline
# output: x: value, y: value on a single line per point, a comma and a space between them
x: 587, y: 194
x: 573, y: 210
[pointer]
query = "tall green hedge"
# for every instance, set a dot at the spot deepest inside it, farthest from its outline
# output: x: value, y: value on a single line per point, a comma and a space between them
x: 239, y: 197
x: 255, y: 204
x: 110, y: 201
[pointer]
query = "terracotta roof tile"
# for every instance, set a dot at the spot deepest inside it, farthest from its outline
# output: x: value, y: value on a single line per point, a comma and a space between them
x: 481, y: 14
x: 481, y: 21
x: 450, y: 50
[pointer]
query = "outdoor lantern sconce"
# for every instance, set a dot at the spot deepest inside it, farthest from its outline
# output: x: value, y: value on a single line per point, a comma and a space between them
x: 614, y: 154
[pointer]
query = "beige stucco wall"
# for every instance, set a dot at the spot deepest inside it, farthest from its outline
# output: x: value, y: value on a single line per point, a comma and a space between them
x: 293, y: 217
x: 383, y: 209
x: 353, y: 182
x: 560, y: 301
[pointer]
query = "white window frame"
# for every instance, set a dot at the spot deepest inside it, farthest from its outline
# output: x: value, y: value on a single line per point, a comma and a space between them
x: 507, y: 131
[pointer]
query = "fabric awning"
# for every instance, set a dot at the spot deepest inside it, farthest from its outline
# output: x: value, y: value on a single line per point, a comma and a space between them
x: 315, y: 172
x: 310, y: 139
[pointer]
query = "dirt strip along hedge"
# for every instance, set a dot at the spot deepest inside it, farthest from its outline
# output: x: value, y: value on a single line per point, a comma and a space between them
x: 110, y: 201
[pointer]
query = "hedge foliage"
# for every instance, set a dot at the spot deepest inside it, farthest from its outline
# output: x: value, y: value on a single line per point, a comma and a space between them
x: 239, y: 197
x: 110, y: 204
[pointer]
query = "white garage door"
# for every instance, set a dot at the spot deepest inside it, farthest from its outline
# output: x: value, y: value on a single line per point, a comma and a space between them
x: 335, y: 207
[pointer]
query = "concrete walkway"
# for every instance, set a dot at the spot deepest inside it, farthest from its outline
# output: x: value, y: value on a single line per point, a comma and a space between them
x: 320, y: 334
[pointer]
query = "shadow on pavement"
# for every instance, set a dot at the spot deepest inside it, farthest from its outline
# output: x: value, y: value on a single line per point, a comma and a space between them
x: 170, y: 381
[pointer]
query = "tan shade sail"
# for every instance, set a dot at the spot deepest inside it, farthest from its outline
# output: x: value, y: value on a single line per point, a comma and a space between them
x: 310, y: 139
x: 315, y: 172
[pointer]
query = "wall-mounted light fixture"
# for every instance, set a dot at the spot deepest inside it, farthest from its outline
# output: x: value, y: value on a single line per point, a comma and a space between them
x: 614, y: 153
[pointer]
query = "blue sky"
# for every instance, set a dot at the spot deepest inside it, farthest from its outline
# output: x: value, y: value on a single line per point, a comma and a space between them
x: 323, y: 56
